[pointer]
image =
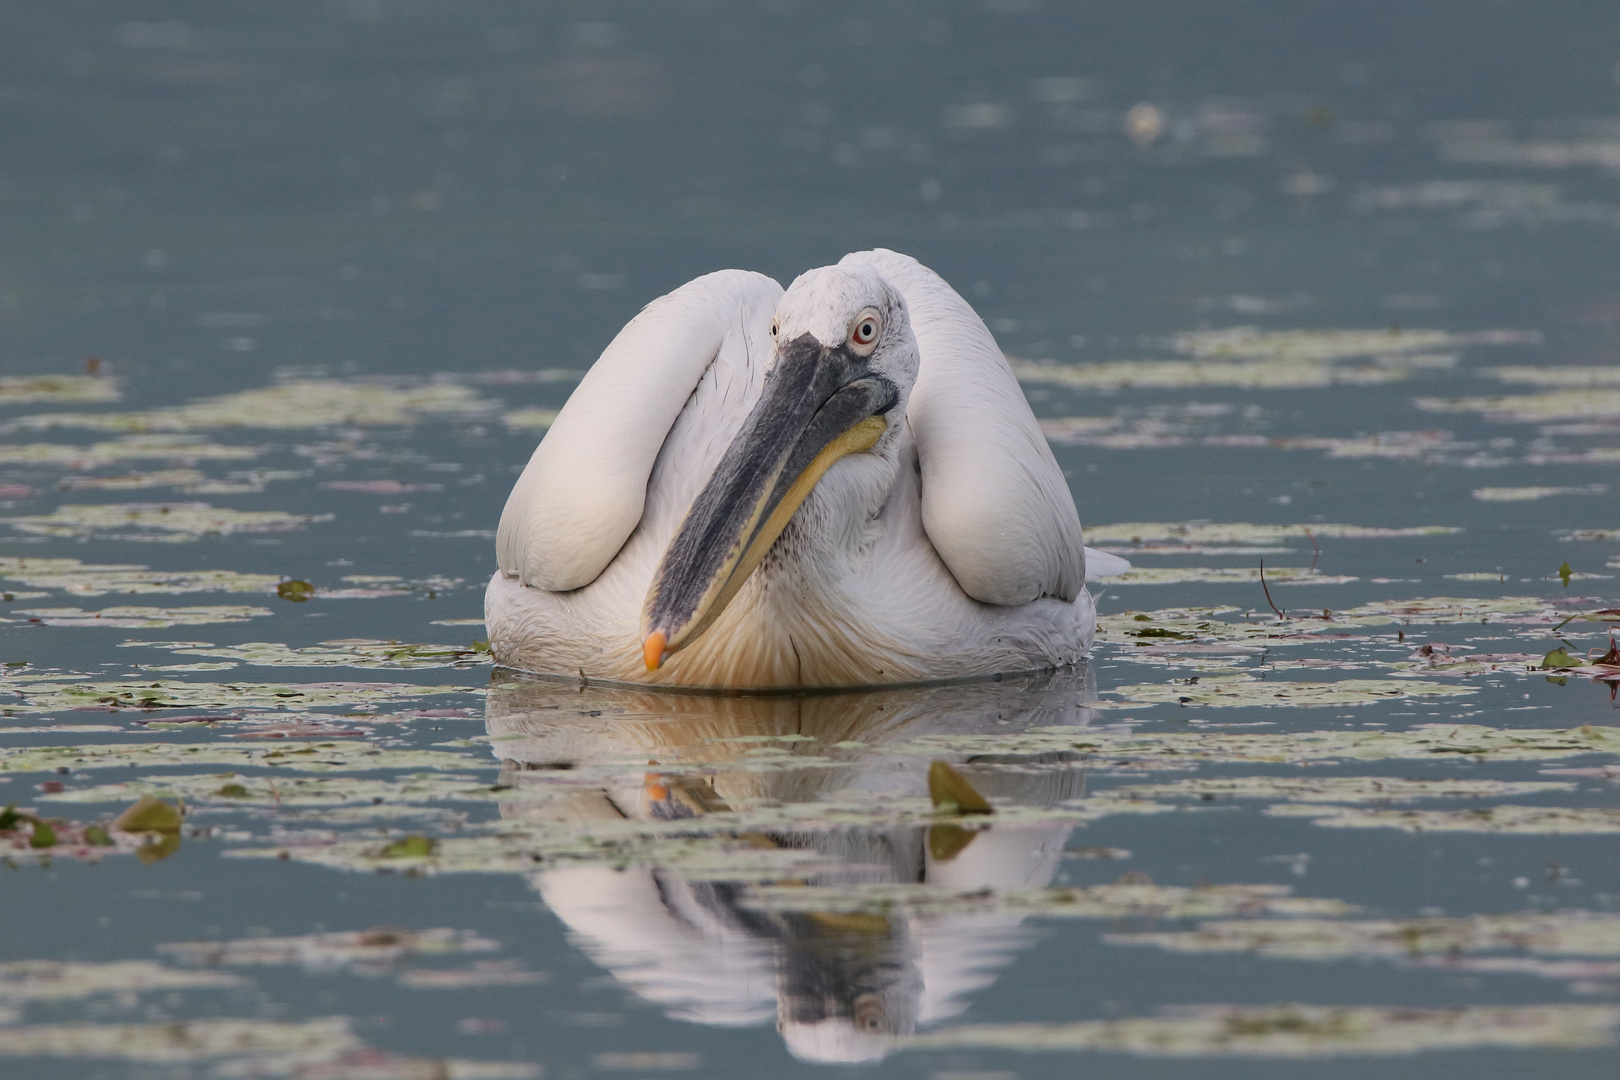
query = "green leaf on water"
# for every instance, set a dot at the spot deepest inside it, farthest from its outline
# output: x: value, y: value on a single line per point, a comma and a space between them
x: 1565, y: 573
x: 97, y: 835
x: 295, y: 590
x: 233, y: 791
x: 44, y: 836
x: 414, y: 846
x: 952, y: 794
x: 480, y: 646
x: 149, y: 815
x: 1559, y: 658
x: 9, y: 816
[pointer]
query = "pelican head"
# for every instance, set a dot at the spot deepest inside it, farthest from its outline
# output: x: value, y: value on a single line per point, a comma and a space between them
x: 844, y: 363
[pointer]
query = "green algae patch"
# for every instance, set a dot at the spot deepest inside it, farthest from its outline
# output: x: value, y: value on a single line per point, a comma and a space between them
x: 148, y: 618
x: 165, y: 522
x: 1177, y: 750
x: 29, y: 981
x: 1532, y: 494
x: 57, y: 389
x: 1245, y: 691
x: 1586, y: 404
x: 289, y: 755
x: 346, y: 652
x: 379, y: 947
x: 100, y: 579
x: 1131, y: 532
x: 297, y: 404
x: 529, y: 419
x: 1298, y: 1031
x: 176, y: 448
x: 1506, y: 819
x: 37, y: 694
x: 236, y: 790
x: 1123, y: 900
x: 1563, y: 933
x: 1225, y: 575
x: 1337, y: 789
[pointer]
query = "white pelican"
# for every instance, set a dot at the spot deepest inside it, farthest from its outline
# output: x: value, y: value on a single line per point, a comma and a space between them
x: 836, y: 485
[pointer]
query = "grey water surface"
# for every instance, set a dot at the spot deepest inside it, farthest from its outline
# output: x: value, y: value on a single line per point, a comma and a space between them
x: 1330, y: 286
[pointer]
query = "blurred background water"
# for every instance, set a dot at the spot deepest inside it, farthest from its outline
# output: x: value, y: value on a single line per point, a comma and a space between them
x: 201, y: 199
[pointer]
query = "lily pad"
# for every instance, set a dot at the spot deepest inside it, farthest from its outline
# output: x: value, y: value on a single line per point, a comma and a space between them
x: 166, y: 522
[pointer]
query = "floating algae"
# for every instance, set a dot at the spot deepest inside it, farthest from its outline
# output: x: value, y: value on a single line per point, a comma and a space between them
x: 165, y: 522
x: 1298, y: 1031
x: 348, y: 652
x: 1174, y: 749
x: 1336, y: 789
x: 360, y: 950
x: 57, y: 389
x: 42, y: 693
x: 147, y: 618
x: 1563, y: 933
x: 26, y: 981
x: 1124, y: 900
x: 96, y: 579
x: 289, y: 405
x: 1517, y: 820
x: 1243, y: 690
x: 176, y: 448
x: 289, y: 755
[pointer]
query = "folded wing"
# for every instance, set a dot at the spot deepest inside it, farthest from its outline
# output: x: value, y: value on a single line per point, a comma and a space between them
x: 583, y: 491
x: 995, y: 503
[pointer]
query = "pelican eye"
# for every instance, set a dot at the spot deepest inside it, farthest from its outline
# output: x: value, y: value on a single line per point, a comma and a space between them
x: 865, y: 331
x: 773, y: 328
x: 869, y: 1014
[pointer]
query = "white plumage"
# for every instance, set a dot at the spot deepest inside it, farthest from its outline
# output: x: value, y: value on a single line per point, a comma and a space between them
x: 946, y: 547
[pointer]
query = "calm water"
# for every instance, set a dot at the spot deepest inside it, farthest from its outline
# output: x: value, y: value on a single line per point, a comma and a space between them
x: 1333, y: 289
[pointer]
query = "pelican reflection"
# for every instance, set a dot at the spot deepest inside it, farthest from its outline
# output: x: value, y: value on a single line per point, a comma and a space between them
x: 842, y: 986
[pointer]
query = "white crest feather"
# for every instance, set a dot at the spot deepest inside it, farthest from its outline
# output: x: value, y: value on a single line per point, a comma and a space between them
x: 995, y: 504
x: 583, y: 491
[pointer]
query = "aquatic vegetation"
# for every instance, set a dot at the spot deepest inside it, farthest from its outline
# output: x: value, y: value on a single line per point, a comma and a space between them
x: 1298, y: 1031
x: 1177, y: 575
x: 166, y: 522
x: 43, y: 693
x: 364, y: 951
x: 1562, y: 933
x: 1528, y: 494
x: 288, y: 755
x: 143, y: 617
x: 1502, y: 818
x: 25, y: 981
x: 177, y: 448
x: 1172, y: 532
x: 1336, y: 789
x: 278, y: 791
x: 1245, y: 690
x: 303, y: 403
x: 1123, y: 900
x: 1587, y: 404
x: 530, y: 419
x: 93, y: 579
x: 57, y: 389
x: 349, y: 652
x: 1182, y: 749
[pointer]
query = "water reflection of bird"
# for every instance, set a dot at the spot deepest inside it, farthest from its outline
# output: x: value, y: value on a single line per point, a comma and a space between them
x: 842, y: 986
x: 839, y: 485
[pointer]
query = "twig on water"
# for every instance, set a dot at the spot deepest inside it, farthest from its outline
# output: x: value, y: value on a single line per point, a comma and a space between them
x: 1316, y: 549
x: 1267, y: 588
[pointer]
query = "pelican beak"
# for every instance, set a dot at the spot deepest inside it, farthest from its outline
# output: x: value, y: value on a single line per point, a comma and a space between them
x: 819, y: 404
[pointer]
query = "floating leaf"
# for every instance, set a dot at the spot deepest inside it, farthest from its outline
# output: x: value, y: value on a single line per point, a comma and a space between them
x: 414, y: 846
x: 149, y: 815
x: 44, y: 836
x: 1565, y: 573
x: 1560, y: 658
x: 951, y: 792
x: 295, y: 590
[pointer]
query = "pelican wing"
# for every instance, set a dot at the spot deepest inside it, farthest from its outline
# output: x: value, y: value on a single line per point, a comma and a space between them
x: 583, y: 491
x: 995, y: 504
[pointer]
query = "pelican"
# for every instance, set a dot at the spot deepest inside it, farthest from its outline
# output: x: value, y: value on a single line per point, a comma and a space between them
x: 837, y: 485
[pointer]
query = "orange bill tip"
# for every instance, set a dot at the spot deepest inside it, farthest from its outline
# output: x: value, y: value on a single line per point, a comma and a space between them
x: 653, y: 650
